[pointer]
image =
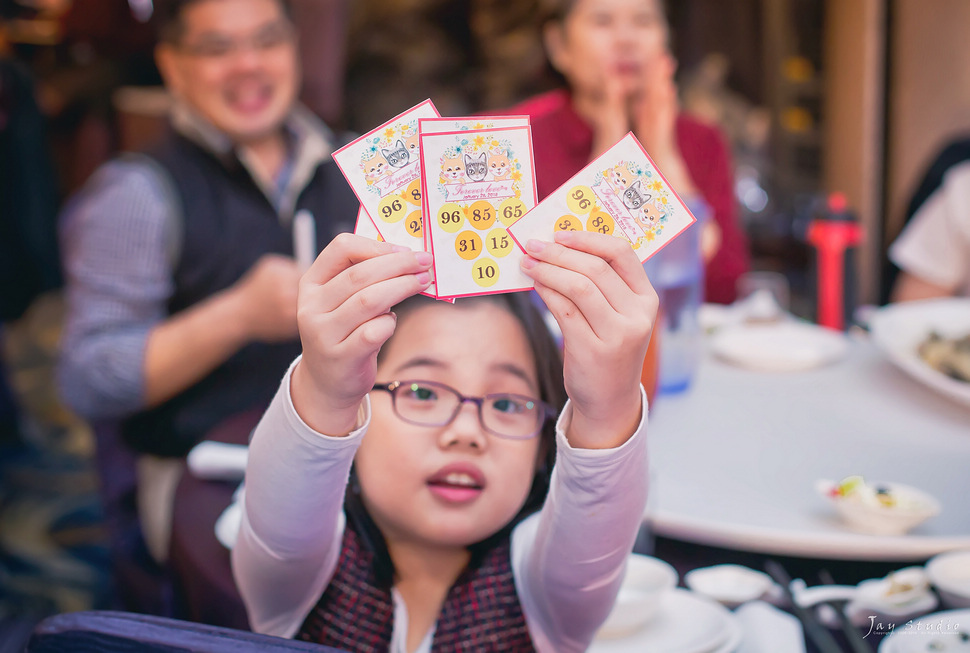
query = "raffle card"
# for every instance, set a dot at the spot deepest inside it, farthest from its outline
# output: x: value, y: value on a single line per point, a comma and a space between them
x: 383, y: 167
x: 621, y: 193
x: 441, y: 125
x: 476, y: 183
x: 366, y: 227
x: 478, y: 123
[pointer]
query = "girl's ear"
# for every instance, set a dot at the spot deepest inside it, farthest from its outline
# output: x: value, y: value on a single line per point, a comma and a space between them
x: 555, y: 42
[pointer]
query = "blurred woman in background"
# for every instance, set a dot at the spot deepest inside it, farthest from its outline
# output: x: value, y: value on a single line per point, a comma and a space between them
x: 615, y: 58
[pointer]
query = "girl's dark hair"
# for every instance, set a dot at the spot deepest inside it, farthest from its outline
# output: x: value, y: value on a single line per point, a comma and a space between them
x: 168, y: 18
x: 548, y: 364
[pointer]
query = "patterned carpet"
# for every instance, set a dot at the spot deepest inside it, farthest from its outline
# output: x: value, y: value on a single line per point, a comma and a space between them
x: 52, y: 552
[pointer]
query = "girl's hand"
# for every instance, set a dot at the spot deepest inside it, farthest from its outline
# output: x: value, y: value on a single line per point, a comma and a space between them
x: 597, y: 290
x: 344, y: 316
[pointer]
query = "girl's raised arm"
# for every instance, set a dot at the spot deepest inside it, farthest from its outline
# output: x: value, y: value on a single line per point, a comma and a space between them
x: 289, y: 539
x: 344, y: 315
x: 597, y: 290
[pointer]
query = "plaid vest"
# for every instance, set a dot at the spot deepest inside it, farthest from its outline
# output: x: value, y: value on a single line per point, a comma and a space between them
x: 481, y: 612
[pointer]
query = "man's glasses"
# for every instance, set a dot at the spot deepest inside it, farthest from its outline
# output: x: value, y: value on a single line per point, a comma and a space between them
x: 506, y: 415
x: 218, y: 46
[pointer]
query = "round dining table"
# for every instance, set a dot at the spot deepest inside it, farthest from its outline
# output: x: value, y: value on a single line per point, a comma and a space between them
x: 736, y: 458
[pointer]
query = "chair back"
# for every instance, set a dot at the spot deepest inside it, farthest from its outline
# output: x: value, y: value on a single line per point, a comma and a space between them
x: 106, y: 631
x: 140, y: 584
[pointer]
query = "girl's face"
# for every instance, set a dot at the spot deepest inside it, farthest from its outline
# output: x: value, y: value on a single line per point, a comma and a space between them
x: 607, y: 38
x: 414, y: 479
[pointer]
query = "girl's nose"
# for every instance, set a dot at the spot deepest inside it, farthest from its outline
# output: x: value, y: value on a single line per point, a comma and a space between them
x: 465, y: 430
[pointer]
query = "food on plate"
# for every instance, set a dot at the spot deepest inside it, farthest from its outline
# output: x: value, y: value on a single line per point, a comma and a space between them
x: 951, y: 356
x: 879, y: 508
x: 855, y: 488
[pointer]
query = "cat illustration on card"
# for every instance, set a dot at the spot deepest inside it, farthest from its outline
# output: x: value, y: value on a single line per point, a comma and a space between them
x: 476, y: 167
x: 649, y: 215
x: 397, y: 156
x: 452, y: 170
x: 498, y: 165
x: 634, y: 197
x: 413, y: 144
x: 375, y: 168
x: 618, y: 177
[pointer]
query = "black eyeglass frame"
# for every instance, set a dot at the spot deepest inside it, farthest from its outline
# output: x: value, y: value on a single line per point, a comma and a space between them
x: 547, y: 413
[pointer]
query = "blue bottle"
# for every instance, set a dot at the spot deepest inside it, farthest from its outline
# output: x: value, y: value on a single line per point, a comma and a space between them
x: 677, y: 274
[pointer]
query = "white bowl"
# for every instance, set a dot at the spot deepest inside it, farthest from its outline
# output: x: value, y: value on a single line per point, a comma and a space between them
x: 902, y: 595
x: 730, y: 585
x: 646, y: 581
x: 863, y: 510
x: 950, y: 574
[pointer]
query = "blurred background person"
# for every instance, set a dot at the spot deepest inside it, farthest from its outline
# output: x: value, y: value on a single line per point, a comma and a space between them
x: 932, y: 253
x: 181, y: 286
x: 615, y: 58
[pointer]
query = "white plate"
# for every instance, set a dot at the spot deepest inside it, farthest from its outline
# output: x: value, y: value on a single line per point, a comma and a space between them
x: 687, y: 623
x: 898, y: 330
x: 785, y: 346
x: 934, y: 633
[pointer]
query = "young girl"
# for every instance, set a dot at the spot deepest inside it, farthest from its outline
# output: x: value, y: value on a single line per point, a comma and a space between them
x: 440, y: 417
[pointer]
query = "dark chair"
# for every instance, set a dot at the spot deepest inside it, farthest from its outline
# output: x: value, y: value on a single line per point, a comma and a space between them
x: 140, y: 584
x: 105, y: 631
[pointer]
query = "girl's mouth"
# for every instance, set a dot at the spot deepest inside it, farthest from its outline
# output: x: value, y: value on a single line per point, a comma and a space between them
x: 457, y: 484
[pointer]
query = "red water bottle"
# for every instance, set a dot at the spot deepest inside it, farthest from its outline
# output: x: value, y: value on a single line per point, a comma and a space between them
x: 834, y: 234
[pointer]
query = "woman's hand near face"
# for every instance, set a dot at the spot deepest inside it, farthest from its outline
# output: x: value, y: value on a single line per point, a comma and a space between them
x: 610, y: 117
x: 654, y: 111
x: 596, y: 288
x: 344, y: 316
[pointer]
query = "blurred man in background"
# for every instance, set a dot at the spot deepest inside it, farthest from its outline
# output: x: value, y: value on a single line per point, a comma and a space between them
x: 181, y: 284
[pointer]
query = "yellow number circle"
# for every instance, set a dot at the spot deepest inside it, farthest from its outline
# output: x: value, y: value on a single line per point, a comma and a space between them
x: 451, y: 217
x: 413, y: 193
x: 392, y: 208
x: 485, y: 272
x: 468, y: 245
x: 413, y: 223
x: 600, y: 221
x: 511, y: 210
x: 568, y: 223
x: 481, y: 214
x: 580, y: 199
x: 499, y: 243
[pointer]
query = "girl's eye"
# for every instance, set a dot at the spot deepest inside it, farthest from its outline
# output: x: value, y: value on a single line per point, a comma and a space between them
x: 420, y: 393
x: 511, y: 405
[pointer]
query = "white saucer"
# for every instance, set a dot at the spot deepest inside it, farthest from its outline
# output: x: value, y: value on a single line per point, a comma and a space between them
x: 687, y: 623
x: 933, y: 633
x: 785, y: 346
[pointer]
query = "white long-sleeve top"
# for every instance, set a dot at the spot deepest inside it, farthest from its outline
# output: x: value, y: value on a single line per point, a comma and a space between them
x: 567, y: 560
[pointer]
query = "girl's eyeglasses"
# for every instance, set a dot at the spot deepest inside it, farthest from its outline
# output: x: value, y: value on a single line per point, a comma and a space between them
x: 505, y: 415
